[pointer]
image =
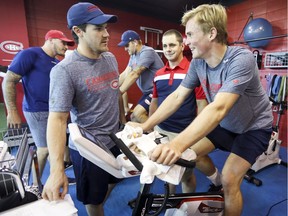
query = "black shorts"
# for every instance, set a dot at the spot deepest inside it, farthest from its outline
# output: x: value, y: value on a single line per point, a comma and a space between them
x: 248, y: 145
x: 91, y: 181
x: 145, y: 101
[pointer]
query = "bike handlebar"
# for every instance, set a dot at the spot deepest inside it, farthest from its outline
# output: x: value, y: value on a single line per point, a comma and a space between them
x: 134, y: 160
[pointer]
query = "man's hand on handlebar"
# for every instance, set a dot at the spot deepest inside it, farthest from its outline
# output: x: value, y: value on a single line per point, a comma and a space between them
x: 165, y: 154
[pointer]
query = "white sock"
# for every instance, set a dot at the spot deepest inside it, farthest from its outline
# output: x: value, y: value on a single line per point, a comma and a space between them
x: 215, y: 178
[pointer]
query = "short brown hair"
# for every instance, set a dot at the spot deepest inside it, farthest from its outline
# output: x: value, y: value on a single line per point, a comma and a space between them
x: 175, y: 32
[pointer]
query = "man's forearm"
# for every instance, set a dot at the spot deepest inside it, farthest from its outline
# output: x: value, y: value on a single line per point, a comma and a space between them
x: 56, y: 139
x: 9, y: 94
x: 153, y: 106
x: 128, y: 82
x: 131, y: 78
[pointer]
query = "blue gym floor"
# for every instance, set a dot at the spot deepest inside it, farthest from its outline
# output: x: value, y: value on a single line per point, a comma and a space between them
x: 269, y: 199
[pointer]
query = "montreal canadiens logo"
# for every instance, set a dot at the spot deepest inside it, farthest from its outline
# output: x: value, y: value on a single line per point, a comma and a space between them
x: 11, y: 47
x: 114, y: 84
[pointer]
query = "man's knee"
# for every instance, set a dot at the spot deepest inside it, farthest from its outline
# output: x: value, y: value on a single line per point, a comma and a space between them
x: 205, y: 165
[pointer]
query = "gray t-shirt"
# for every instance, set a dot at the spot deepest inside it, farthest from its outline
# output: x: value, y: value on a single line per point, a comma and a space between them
x: 88, y: 88
x: 148, y: 58
x: 237, y: 73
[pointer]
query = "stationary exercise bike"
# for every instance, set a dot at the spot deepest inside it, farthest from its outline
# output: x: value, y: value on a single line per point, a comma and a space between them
x: 197, y: 204
x: 128, y: 165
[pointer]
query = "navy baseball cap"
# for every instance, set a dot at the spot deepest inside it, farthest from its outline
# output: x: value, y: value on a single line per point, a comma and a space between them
x: 84, y: 12
x: 128, y: 36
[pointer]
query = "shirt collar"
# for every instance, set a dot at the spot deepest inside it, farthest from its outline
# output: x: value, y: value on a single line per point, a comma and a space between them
x: 182, y: 65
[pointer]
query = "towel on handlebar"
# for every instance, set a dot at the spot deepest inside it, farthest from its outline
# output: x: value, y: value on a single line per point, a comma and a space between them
x: 141, y: 144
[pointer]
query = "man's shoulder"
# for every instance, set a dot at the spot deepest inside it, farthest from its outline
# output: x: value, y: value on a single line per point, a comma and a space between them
x: 147, y: 49
x: 108, y: 55
x: 236, y: 50
x: 160, y: 72
x: 30, y: 51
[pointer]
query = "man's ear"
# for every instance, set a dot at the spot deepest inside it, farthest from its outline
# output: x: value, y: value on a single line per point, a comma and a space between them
x: 76, y: 30
x: 213, y: 33
x: 136, y: 42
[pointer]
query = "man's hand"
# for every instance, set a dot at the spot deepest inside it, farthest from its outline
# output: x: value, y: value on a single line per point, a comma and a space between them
x: 52, y: 189
x: 141, y: 125
x: 134, y: 124
x: 165, y: 154
x: 13, y: 119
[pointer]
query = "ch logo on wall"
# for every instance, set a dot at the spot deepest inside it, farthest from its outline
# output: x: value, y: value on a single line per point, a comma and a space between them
x: 11, y: 47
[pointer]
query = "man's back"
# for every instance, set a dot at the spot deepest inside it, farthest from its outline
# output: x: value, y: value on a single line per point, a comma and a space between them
x: 148, y: 58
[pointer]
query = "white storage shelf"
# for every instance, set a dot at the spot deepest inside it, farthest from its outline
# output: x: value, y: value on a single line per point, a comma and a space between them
x: 276, y: 60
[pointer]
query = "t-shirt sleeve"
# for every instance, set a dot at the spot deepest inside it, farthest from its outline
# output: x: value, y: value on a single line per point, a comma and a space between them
x: 241, y: 71
x: 23, y: 62
x: 191, y: 79
x: 61, y: 90
x: 147, y: 57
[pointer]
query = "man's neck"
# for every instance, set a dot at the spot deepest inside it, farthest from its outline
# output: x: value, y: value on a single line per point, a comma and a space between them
x: 48, y: 51
x: 217, y: 53
x: 87, y: 52
x: 138, y: 48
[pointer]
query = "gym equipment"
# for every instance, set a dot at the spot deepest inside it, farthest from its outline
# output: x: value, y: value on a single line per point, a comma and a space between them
x: 277, y: 96
x: 255, y: 34
x: 206, y: 203
x: 14, y: 173
x: 255, y: 29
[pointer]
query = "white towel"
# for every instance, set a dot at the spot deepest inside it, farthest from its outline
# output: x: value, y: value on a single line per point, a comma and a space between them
x: 141, y: 144
x: 171, y: 174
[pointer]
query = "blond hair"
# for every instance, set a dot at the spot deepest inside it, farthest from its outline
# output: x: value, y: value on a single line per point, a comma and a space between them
x: 208, y: 16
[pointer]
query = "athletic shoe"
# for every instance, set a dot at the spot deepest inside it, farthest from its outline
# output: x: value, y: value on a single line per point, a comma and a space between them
x: 214, y: 188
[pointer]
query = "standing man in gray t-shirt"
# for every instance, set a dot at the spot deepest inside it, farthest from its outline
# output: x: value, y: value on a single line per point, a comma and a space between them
x: 238, y: 117
x: 141, y: 68
x: 85, y: 84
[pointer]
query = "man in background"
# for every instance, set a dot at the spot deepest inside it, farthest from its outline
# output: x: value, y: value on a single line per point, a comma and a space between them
x: 141, y: 68
x: 33, y: 66
x: 166, y: 80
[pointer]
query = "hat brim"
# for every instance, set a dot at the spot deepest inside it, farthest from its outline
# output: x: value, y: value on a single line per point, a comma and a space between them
x: 123, y: 43
x: 105, y: 18
x: 69, y: 42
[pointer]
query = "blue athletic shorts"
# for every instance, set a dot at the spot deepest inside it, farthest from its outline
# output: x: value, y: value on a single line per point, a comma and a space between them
x: 37, y: 122
x: 248, y: 145
x: 145, y: 101
x: 91, y: 181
